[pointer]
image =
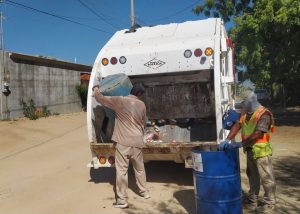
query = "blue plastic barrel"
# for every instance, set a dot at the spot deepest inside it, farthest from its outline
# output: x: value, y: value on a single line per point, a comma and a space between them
x: 217, y: 181
x: 229, y: 118
x: 115, y: 85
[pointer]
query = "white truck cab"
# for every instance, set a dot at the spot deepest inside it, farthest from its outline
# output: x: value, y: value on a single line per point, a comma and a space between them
x: 187, y: 69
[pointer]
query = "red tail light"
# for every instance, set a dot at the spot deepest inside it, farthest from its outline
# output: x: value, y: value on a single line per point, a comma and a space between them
x: 113, y: 60
x: 111, y: 160
x: 198, y: 52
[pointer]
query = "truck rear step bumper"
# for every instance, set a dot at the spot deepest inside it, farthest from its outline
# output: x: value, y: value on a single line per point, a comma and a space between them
x: 179, y: 152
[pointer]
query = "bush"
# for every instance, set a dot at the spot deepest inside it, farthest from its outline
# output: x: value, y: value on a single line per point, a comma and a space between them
x: 29, y: 109
x: 45, y: 111
x: 32, y: 112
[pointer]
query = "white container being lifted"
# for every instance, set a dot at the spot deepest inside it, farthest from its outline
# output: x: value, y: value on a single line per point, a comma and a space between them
x: 187, y: 69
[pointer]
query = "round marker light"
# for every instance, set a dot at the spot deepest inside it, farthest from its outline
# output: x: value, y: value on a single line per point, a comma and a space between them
x: 111, y: 160
x: 104, y: 61
x: 187, y: 53
x: 198, y: 52
x: 122, y: 60
x: 102, y: 159
x: 209, y: 51
x: 113, y: 60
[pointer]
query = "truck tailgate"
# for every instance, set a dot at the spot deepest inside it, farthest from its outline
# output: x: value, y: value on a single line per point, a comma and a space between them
x: 178, y: 151
x: 157, y: 148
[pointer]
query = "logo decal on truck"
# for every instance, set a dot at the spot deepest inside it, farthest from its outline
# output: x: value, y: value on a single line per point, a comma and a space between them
x: 154, y: 63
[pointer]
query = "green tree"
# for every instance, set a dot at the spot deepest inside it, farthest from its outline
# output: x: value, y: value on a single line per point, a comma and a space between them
x: 266, y: 36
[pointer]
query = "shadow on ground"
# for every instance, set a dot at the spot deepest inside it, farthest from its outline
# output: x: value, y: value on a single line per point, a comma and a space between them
x: 169, y: 207
x: 158, y: 172
x: 169, y: 172
x: 287, y: 174
x: 103, y: 175
x: 187, y: 200
x: 287, y: 177
x: 157, y: 208
x: 286, y: 170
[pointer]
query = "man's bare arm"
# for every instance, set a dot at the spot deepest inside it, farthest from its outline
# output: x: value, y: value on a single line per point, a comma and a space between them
x: 106, y: 101
x: 234, y: 130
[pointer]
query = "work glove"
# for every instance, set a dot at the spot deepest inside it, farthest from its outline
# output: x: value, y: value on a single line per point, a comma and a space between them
x: 235, y: 145
x: 224, y: 145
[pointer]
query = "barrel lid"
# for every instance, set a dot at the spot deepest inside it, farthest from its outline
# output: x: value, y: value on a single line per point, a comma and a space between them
x: 112, y: 81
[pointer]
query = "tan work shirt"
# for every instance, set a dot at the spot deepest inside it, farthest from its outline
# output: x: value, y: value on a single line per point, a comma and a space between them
x: 130, y: 118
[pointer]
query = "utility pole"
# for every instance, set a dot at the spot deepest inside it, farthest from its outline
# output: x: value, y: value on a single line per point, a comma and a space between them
x: 132, y: 18
x: 2, y: 64
x: 134, y: 25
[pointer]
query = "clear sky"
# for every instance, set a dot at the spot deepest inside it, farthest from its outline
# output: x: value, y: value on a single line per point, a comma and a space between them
x: 30, y: 32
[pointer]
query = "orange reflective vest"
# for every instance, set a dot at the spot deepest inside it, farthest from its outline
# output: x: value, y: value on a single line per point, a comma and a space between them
x: 262, y: 146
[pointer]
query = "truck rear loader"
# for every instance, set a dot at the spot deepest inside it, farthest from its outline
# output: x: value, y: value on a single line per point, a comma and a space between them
x: 187, y: 69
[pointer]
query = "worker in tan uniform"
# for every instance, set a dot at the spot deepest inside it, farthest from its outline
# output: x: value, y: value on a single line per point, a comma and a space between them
x: 128, y: 134
x: 256, y: 124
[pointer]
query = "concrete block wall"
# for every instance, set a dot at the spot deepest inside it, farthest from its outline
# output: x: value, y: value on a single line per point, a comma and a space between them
x: 48, y: 82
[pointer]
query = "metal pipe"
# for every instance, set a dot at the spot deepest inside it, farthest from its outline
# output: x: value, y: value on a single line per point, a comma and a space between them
x: 132, y: 18
x: 2, y: 65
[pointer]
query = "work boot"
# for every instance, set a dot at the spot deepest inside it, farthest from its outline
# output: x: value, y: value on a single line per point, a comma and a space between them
x: 265, y: 208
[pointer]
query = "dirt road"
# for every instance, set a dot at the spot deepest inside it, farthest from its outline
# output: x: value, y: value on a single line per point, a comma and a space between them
x: 43, y: 170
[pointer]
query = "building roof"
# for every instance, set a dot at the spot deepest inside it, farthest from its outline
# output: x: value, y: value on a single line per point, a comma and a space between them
x: 47, y: 61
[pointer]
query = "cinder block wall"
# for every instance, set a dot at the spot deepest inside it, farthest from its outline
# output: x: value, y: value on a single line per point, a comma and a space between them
x: 48, y: 82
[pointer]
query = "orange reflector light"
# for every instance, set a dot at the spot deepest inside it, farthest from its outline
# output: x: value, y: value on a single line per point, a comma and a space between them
x: 111, y: 160
x: 104, y: 61
x: 102, y: 159
x: 209, y: 51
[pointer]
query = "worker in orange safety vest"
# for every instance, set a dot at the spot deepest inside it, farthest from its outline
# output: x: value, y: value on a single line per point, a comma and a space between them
x: 256, y: 124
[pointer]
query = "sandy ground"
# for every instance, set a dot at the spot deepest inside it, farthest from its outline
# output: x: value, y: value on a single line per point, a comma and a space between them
x: 43, y: 170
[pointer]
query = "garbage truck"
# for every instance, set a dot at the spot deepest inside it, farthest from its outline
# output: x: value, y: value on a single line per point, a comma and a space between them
x: 187, y: 70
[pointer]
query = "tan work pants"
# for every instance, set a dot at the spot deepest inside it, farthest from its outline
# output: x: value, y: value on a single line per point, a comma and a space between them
x: 260, y: 171
x: 123, y: 155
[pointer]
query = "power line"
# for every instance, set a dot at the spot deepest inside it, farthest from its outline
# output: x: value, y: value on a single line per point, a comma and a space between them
x: 80, y: 18
x: 178, y: 12
x: 107, y: 17
x: 96, y: 14
x: 55, y: 15
x: 120, y: 19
